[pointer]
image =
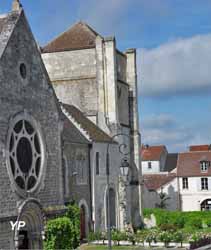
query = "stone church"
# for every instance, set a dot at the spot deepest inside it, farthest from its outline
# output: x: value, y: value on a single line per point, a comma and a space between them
x: 55, y: 130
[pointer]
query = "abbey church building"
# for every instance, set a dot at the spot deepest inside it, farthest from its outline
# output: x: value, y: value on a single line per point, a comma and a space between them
x: 64, y: 108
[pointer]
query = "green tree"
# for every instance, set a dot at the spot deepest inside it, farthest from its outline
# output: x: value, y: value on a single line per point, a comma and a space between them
x: 163, y: 200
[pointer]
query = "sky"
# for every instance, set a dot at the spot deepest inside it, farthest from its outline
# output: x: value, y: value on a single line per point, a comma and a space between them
x: 173, y: 41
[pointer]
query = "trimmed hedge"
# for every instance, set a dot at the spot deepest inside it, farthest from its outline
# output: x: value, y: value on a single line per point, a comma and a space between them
x: 180, y: 219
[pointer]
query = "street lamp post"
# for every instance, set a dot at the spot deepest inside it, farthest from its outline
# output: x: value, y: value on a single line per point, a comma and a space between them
x: 123, y: 170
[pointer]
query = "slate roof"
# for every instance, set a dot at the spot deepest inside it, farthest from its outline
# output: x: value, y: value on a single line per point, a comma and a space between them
x: 188, y: 164
x: 156, y: 181
x: 93, y: 131
x: 7, y: 24
x: 79, y: 36
x: 152, y: 153
x: 71, y: 133
x: 171, y: 162
x: 2, y: 22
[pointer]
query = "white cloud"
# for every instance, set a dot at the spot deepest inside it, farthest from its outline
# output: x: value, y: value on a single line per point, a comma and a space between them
x: 164, y: 129
x: 179, y: 67
x: 161, y: 121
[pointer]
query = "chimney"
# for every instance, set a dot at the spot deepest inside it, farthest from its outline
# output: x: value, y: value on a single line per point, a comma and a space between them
x: 16, y: 5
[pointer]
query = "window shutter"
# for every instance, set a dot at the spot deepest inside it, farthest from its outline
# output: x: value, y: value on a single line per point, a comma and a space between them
x: 209, y: 183
x: 198, y: 184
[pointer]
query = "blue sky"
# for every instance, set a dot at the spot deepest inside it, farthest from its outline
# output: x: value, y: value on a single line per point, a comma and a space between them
x: 173, y: 38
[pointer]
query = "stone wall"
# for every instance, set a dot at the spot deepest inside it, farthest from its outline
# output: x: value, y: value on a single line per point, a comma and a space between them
x: 77, y: 174
x: 34, y: 96
x: 81, y: 93
x: 69, y: 65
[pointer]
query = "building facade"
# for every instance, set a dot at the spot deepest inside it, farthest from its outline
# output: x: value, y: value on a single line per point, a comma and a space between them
x: 153, y: 159
x: 89, y: 72
x: 30, y: 172
x: 188, y: 186
x: 41, y: 150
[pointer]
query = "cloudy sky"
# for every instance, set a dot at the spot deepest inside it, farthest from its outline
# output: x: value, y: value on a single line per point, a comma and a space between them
x: 173, y: 38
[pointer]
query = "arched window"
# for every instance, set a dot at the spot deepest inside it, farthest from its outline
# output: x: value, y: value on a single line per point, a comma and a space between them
x: 206, y: 205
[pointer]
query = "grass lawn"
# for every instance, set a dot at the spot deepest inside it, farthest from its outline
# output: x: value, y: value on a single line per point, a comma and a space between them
x: 97, y: 247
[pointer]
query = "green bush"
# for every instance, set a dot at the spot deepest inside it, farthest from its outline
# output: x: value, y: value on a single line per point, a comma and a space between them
x: 165, y: 237
x: 94, y: 236
x: 208, y: 222
x: 194, y: 222
x: 59, y: 234
x: 118, y: 236
x: 179, y: 237
x: 141, y: 236
x: 168, y: 227
x: 73, y: 213
x: 179, y: 219
x: 151, y: 236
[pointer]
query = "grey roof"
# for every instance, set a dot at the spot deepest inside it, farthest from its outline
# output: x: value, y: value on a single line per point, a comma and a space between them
x: 7, y: 24
x: 70, y: 133
x: 171, y: 162
x: 94, y: 132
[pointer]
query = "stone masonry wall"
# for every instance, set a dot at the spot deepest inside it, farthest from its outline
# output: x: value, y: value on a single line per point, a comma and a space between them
x: 36, y: 96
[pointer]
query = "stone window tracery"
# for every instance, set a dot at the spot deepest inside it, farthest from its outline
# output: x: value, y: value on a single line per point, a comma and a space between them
x: 25, y: 155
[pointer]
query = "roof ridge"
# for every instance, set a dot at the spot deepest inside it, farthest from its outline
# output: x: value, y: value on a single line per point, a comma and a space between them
x: 68, y: 30
x: 89, y: 125
x: 75, y: 123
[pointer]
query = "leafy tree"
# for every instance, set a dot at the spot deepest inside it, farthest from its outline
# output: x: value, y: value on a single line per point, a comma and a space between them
x: 163, y: 200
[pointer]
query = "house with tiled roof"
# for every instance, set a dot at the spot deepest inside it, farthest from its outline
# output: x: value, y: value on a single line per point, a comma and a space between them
x: 194, y: 179
x: 153, y: 158
x: 188, y: 186
x: 157, y: 183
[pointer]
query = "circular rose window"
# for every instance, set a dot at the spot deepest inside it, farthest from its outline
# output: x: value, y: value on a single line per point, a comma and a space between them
x: 25, y: 155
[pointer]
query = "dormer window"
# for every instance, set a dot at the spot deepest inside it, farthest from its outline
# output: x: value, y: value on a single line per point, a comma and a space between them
x: 204, y: 166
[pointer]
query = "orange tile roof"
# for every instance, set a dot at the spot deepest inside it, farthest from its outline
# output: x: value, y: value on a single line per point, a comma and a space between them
x: 188, y: 164
x: 152, y: 153
x: 199, y: 148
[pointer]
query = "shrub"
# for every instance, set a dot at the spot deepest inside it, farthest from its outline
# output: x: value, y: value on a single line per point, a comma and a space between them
x: 141, y: 236
x: 151, y: 236
x: 165, y: 237
x: 94, y: 236
x: 195, y: 223
x: 168, y: 227
x: 103, y: 236
x: 208, y: 222
x: 178, y: 220
x: 131, y: 237
x: 117, y: 236
x: 59, y: 234
x: 73, y: 213
x: 179, y: 237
